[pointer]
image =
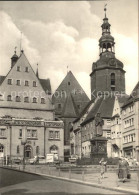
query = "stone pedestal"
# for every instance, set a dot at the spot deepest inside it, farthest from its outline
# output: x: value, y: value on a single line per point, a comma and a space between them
x: 99, y: 147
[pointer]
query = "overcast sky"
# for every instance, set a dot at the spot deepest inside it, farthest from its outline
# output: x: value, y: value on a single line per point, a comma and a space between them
x: 66, y: 33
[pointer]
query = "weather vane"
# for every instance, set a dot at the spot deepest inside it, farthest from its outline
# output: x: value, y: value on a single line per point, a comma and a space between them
x: 105, y: 9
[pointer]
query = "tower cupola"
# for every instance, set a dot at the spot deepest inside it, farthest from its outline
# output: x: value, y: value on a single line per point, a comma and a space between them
x: 14, y: 59
x: 106, y: 42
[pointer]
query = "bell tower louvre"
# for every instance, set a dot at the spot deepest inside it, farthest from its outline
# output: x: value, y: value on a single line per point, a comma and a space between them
x: 107, y: 72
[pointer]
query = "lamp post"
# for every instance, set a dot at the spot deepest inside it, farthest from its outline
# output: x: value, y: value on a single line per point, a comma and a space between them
x: 23, y: 142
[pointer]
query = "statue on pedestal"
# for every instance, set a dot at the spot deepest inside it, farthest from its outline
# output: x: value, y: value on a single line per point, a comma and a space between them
x: 98, y: 125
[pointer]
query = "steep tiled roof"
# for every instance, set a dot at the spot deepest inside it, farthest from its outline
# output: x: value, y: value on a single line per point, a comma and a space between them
x: 83, y: 111
x: 133, y: 96
x: 2, y: 79
x: 46, y: 85
x: 69, y: 109
x: 104, y: 105
x: 70, y: 85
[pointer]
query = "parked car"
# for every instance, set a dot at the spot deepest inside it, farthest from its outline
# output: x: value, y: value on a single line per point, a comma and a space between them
x: 33, y: 160
x: 73, y: 159
x: 16, y: 161
x: 37, y: 160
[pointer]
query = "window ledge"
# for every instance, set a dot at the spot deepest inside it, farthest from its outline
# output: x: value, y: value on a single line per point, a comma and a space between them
x: 53, y: 139
x: 33, y: 138
x: 3, y: 137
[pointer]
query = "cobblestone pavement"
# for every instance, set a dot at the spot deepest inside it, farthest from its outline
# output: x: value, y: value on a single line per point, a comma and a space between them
x: 110, y: 180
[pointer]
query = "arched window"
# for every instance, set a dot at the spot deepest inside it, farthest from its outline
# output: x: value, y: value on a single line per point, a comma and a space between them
x: 112, y: 79
x: 37, y: 150
x: 18, y: 150
x: 18, y: 99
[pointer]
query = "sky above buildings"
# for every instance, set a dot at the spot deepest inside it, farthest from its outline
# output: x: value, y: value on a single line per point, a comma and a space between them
x: 57, y: 34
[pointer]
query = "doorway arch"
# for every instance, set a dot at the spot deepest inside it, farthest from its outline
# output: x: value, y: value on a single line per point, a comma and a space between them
x: 28, y: 151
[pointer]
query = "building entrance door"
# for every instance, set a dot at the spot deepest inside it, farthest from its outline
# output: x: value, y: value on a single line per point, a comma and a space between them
x: 1, y: 151
x: 28, y: 151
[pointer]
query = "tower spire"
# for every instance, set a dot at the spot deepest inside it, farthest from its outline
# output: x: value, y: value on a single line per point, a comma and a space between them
x: 37, y: 72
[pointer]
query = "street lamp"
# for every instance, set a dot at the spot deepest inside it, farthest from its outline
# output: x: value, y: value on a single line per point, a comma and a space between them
x: 23, y: 142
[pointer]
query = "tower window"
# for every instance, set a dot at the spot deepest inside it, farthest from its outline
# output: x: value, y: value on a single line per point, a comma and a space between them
x: 68, y: 83
x: 18, y: 82
x: 9, y: 81
x: 112, y: 79
x: 9, y: 98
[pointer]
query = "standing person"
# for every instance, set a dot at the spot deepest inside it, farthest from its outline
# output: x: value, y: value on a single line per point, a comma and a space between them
x: 102, y: 167
x: 123, y: 169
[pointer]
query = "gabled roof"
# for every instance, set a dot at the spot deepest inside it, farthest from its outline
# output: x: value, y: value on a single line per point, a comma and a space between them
x: 103, y: 105
x: 46, y: 85
x: 84, y: 111
x: 134, y: 96
x: 71, y: 86
x: 69, y: 109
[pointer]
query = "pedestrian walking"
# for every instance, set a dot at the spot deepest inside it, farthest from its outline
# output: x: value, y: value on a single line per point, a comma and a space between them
x: 102, y: 167
x: 123, y: 169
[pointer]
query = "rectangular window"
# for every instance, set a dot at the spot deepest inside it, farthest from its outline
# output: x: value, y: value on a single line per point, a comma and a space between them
x: 26, y: 69
x: 57, y: 135
x: 2, y: 132
x: 26, y: 83
x: 108, y: 134
x: 9, y: 98
x: 34, y: 133
x: 26, y: 99
x: 34, y: 84
x: 59, y: 106
x: 20, y: 132
x: 18, y: 68
x: 42, y: 101
x: 18, y: 82
x: 51, y: 134
x: 31, y: 133
x: 9, y: 81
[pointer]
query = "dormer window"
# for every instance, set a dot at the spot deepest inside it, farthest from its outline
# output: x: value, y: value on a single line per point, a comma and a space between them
x: 26, y: 69
x: 18, y: 68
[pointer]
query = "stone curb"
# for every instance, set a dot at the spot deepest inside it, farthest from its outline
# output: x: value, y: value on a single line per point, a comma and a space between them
x: 118, y: 189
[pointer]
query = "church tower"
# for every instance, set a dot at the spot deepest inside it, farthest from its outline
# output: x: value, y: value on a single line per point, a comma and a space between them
x: 107, y: 72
